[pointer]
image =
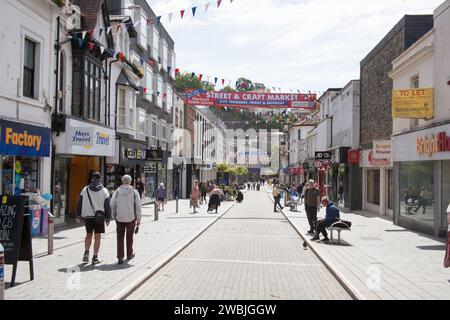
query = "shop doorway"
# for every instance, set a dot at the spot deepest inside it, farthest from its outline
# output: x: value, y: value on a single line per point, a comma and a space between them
x: 81, y: 169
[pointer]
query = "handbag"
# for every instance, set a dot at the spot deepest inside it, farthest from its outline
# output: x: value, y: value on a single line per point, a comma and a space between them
x: 99, y: 215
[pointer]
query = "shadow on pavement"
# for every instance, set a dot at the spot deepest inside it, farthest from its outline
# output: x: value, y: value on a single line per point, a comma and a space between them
x: 83, y: 267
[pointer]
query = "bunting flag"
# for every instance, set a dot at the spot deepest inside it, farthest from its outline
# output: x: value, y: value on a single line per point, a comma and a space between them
x: 145, y: 90
x: 170, y: 16
x: 193, y: 11
x: 102, y: 49
x: 148, y: 21
x: 177, y: 71
x: 142, y: 61
x: 182, y: 13
x: 157, y: 93
x: 100, y: 32
x: 108, y: 30
x: 135, y: 24
x: 223, y: 81
x: 120, y: 56
x: 168, y: 69
x: 158, y: 20
x: 83, y: 34
x: 215, y: 80
x: 80, y: 43
x: 206, y: 7
x: 159, y: 67
x: 91, y: 35
x: 218, y: 3
x: 151, y: 62
x: 192, y: 74
x: 91, y: 46
x: 164, y: 95
x: 200, y: 76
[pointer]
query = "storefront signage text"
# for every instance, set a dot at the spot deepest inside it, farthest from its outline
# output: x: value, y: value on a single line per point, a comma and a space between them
x: 24, y: 140
x: 103, y: 138
x: 436, y: 143
x: 135, y: 154
x: 82, y: 137
x: 382, y: 150
x: 413, y: 103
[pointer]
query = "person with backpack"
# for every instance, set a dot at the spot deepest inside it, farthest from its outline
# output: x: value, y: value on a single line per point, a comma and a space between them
x: 94, y: 208
x: 126, y: 211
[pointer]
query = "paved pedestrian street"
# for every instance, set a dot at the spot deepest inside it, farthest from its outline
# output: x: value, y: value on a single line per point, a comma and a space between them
x: 63, y: 276
x: 250, y: 253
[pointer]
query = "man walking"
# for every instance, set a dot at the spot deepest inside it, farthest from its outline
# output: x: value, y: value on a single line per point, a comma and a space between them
x: 276, y: 197
x: 126, y: 210
x: 331, y: 216
x: 161, y: 195
x: 95, y: 208
x: 312, y: 205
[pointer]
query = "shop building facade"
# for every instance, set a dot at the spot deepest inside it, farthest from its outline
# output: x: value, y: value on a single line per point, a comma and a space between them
x: 375, y: 111
x: 422, y: 146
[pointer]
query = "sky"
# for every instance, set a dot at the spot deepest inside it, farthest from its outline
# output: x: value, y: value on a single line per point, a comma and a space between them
x: 306, y: 45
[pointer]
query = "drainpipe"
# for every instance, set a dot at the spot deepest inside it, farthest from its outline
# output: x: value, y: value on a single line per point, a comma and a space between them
x: 109, y: 97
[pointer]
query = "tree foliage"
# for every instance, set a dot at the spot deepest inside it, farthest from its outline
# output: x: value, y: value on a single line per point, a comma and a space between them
x: 186, y: 81
x: 244, y: 85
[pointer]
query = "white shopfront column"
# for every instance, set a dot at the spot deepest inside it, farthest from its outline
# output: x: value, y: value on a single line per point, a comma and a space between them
x: 383, y: 191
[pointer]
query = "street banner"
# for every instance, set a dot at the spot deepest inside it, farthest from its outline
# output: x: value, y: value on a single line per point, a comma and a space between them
x: 413, y: 103
x: 251, y: 99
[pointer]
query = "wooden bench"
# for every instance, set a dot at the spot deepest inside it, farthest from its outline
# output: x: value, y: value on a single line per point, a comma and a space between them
x: 338, y: 226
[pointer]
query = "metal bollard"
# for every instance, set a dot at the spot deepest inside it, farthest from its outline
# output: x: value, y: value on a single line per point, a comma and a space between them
x: 176, y: 202
x: 156, y: 211
x: 50, y: 233
x: 2, y: 273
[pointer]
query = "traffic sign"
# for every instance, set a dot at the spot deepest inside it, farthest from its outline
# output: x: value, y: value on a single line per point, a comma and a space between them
x: 317, y: 164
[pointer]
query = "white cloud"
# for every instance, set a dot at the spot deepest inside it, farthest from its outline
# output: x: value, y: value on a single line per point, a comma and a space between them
x: 303, y: 44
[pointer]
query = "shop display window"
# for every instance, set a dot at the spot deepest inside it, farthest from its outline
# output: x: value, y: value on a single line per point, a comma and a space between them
x: 417, y: 191
x: 19, y: 175
x: 373, y: 186
x: 445, y: 192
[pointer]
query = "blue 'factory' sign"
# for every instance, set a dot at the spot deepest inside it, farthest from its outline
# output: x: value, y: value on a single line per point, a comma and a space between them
x: 18, y: 139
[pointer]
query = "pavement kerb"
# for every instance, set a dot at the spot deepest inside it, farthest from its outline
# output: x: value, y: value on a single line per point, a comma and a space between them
x: 352, y: 291
x: 124, y: 293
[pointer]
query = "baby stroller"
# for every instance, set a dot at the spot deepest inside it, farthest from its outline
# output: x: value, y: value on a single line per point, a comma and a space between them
x: 214, y: 202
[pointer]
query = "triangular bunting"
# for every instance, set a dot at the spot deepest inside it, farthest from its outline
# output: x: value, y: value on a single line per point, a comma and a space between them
x: 83, y: 34
x: 193, y: 11
x: 177, y: 71
x: 158, y: 93
x: 148, y: 21
x: 100, y: 32
x: 102, y: 49
x: 215, y: 80
x: 223, y: 81
x: 108, y: 30
x: 91, y: 46
x: 182, y: 13
x: 192, y: 74
x: 200, y: 76
x: 170, y: 16
x: 159, y: 67
x: 158, y: 20
x: 169, y: 68
x: 218, y: 3
x: 142, y: 61
x: 206, y: 7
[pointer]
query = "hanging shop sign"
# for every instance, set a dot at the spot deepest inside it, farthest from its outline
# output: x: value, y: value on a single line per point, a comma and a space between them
x: 82, y: 138
x: 353, y: 156
x: 251, y: 99
x: 382, y: 149
x: 323, y: 155
x: 413, y: 103
x: 155, y: 155
x: 19, y: 139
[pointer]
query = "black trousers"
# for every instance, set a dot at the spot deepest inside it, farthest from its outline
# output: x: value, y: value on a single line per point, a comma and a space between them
x: 277, y: 202
x: 322, y: 227
x: 311, y: 213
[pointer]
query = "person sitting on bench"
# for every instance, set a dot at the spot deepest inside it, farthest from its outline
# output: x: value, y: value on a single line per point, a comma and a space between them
x: 331, y: 216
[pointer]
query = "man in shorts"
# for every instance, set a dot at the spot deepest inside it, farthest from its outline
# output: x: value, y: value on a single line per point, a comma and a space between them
x: 93, y: 198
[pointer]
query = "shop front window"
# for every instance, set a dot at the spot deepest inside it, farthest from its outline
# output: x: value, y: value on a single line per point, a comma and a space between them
x: 416, y: 191
x: 373, y: 187
x: 390, y: 187
x: 445, y: 192
x: 19, y: 175
x: 60, y: 188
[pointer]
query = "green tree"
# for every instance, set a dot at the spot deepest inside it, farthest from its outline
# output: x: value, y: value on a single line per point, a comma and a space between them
x: 227, y: 89
x: 244, y: 85
x: 185, y: 82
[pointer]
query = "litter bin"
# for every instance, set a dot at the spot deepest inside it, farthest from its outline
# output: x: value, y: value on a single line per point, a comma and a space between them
x: 35, y: 217
x: 44, y: 220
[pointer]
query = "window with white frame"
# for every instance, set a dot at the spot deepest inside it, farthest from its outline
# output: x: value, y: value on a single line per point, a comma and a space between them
x: 172, y: 63
x: 142, y: 38
x: 165, y: 54
x: 160, y: 90
x: 155, y: 48
x: 148, y: 83
x: 169, y: 99
x: 154, y: 128
x: 29, y: 69
x: 131, y: 113
x: 147, y: 125
x: 142, y: 115
x: 122, y: 107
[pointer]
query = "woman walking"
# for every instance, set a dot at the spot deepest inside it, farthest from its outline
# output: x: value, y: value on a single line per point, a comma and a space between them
x: 214, y: 199
x: 126, y: 210
x: 161, y: 195
x: 195, y: 194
